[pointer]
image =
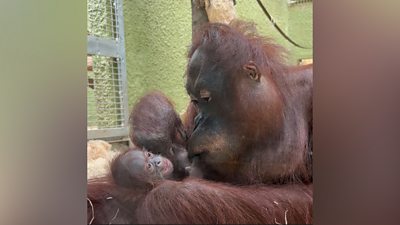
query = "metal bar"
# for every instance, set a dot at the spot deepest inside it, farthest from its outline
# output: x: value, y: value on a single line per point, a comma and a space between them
x: 109, y: 79
x: 101, y: 46
x: 113, y: 114
x: 121, y: 50
x: 107, y: 102
x: 117, y: 108
x: 94, y: 127
x: 112, y: 15
x: 107, y: 133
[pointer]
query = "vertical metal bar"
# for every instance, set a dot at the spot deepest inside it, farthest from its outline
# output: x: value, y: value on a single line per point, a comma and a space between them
x: 112, y: 18
x: 121, y: 48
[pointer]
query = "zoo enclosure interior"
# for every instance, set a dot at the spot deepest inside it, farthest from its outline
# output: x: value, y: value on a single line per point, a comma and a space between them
x: 135, y: 46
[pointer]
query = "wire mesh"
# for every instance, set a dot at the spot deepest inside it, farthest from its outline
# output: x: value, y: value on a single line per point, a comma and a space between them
x: 105, y: 93
x: 102, y: 20
x: 107, y: 101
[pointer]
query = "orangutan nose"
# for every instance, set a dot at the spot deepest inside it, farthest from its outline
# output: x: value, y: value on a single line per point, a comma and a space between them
x: 197, y: 120
x: 196, y: 150
x: 156, y: 161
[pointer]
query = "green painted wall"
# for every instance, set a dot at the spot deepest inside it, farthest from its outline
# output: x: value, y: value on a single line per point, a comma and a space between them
x: 301, y: 30
x: 251, y: 11
x: 295, y: 20
x: 157, y: 34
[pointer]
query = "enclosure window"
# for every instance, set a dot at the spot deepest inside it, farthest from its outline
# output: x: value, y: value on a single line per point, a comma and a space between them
x: 106, y: 71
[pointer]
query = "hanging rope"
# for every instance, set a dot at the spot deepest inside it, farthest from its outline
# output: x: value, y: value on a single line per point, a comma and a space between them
x: 278, y: 28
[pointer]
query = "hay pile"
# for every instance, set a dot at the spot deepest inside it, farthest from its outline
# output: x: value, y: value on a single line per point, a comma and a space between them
x: 99, y: 155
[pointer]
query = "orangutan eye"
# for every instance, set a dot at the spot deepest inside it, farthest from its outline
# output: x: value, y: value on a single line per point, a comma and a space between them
x: 205, y: 95
x: 149, y: 154
x: 149, y: 166
x: 194, y: 100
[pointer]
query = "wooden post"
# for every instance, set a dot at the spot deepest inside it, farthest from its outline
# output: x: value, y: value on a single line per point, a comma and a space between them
x: 215, y: 11
x: 220, y: 11
x: 199, y: 15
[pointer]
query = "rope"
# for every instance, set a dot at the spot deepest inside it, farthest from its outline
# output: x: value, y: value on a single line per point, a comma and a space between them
x: 278, y: 28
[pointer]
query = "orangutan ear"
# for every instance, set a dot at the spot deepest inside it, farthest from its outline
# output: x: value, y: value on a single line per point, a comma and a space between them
x: 252, y: 71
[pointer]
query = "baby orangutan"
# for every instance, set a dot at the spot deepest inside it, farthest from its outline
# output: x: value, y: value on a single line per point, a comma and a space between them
x: 156, y: 126
x: 140, y: 169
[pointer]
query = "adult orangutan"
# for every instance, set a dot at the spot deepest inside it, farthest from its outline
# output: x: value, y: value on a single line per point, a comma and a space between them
x: 249, y: 125
x: 253, y: 122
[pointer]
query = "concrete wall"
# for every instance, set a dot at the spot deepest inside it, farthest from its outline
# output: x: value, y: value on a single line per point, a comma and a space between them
x: 158, y: 32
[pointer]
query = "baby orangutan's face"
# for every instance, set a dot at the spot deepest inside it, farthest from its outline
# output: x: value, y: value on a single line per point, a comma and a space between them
x: 148, y: 164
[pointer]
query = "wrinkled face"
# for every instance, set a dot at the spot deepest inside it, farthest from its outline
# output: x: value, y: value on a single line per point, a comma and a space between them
x: 239, y: 108
x: 140, y: 163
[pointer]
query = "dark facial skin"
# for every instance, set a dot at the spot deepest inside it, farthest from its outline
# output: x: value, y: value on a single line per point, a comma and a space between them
x: 136, y: 168
x: 228, y: 122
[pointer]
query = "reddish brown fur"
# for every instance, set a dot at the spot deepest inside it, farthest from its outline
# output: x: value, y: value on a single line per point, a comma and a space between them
x: 195, y: 201
x: 156, y: 126
x: 284, y: 186
x: 154, y: 123
x: 266, y: 125
x: 204, y: 202
x: 127, y: 177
